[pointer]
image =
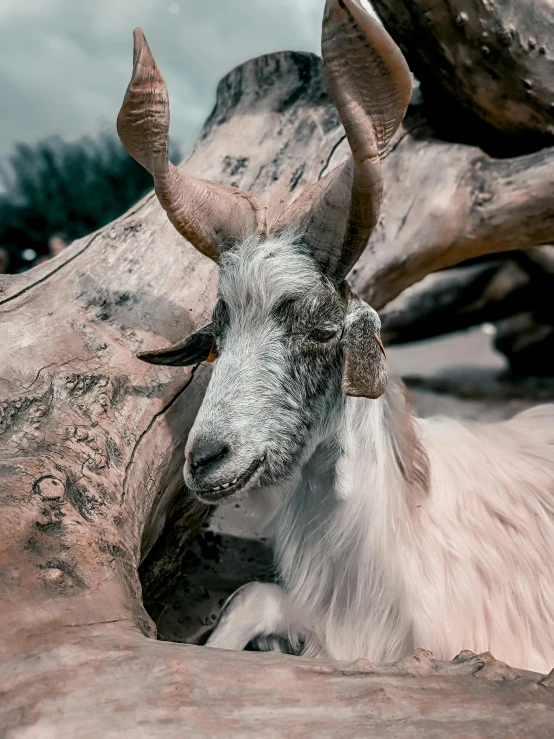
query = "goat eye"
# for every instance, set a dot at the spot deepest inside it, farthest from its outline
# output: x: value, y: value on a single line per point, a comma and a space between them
x: 322, y: 334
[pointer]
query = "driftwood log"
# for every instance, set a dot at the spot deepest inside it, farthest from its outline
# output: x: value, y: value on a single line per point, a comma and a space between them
x: 91, y: 445
x: 466, y: 296
x: 486, y: 68
x: 513, y: 293
x: 458, y: 298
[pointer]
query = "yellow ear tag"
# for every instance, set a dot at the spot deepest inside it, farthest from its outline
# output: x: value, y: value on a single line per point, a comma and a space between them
x: 381, y: 345
x: 212, y: 356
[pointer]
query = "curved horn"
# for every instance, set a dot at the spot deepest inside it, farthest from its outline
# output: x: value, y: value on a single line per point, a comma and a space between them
x: 209, y: 215
x: 371, y: 86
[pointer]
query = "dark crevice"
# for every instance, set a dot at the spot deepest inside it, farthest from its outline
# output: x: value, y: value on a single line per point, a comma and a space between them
x: 333, y: 150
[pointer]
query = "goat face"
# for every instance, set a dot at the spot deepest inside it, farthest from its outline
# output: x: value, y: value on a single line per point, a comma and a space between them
x: 289, y: 342
x: 289, y: 334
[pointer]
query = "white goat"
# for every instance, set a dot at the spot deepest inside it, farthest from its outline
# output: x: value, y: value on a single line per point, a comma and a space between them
x: 393, y: 532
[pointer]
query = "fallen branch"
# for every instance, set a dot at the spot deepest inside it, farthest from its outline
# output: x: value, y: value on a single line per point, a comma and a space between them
x: 446, y: 203
x: 457, y: 299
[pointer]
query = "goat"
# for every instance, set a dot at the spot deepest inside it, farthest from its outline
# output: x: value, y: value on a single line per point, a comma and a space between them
x: 392, y: 532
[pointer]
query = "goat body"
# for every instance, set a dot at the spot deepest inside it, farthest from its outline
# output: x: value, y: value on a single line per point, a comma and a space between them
x: 405, y: 532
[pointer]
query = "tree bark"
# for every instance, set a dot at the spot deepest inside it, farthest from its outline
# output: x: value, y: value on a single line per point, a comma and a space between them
x: 456, y: 299
x: 446, y: 203
x: 91, y: 444
x: 486, y: 68
x: 107, y: 681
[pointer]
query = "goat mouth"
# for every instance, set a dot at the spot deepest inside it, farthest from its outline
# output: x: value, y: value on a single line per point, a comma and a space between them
x: 220, y: 492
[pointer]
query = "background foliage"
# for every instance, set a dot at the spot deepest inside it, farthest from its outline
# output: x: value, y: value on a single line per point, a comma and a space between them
x: 67, y: 188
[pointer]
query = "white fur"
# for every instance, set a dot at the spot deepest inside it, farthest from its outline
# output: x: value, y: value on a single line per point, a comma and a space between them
x: 382, y: 569
x: 377, y: 567
x: 261, y: 273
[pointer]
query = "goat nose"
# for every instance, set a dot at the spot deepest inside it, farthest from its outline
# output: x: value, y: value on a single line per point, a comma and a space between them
x: 205, y: 452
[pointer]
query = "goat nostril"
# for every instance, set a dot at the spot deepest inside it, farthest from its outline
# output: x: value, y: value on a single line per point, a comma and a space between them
x: 206, y: 451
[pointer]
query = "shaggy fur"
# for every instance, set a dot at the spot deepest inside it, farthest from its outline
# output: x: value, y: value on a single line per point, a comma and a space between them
x: 392, y: 533
x: 382, y: 564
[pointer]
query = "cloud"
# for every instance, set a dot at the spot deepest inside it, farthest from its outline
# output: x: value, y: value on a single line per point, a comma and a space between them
x: 65, y: 64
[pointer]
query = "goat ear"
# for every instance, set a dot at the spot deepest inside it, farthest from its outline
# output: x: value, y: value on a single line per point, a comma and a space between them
x: 192, y: 350
x: 365, y: 372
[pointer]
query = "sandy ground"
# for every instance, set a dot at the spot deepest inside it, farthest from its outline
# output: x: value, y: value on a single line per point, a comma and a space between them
x: 233, y: 546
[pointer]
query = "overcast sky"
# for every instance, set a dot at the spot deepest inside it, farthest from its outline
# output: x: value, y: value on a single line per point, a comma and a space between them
x: 65, y: 64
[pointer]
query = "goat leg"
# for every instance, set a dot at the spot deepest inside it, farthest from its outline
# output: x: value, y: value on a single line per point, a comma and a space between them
x: 255, y: 611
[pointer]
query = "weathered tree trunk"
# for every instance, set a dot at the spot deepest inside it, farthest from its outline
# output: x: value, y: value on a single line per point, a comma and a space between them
x: 515, y: 293
x: 456, y: 299
x: 445, y: 203
x: 486, y: 68
x: 91, y: 445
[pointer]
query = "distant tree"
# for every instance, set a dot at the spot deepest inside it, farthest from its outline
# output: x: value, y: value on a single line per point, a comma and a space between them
x: 65, y: 188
